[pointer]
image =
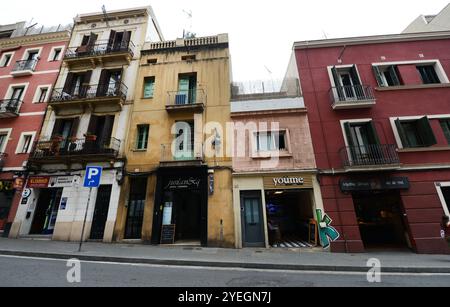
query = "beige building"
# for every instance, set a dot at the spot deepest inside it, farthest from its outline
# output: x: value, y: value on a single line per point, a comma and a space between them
x: 177, y: 187
x: 431, y: 23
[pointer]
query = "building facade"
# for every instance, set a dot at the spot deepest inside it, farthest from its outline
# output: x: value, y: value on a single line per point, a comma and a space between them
x: 30, y: 58
x: 85, y: 125
x: 275, y: 188
x: 177, y: 187
x: 430, y: 23
x: 379, y: 114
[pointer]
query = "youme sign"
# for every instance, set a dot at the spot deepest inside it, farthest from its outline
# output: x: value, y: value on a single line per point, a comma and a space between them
x: 291, y: 181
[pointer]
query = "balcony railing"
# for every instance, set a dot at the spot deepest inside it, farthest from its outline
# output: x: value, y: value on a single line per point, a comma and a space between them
x: 26, y: 67
x: 186, y: 100
x: 99, y: 49
x: 9, y: 107
x: 58, y: 147
x: 118, y: 90
x: 192, y: 152
x: 369, y: 156
x: 352, y: 96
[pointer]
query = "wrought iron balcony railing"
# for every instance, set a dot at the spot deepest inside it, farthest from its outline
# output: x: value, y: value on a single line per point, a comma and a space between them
x: 184, y: 98
x: 10, y: 107
x: 26, y: 65
x: 59, y: 147
x: 99, y: 49
x: 118, y: 90
x: 351, y: 94
x: 369, y: 155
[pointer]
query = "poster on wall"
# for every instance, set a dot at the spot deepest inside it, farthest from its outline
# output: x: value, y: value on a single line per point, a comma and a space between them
x: 167, y: 213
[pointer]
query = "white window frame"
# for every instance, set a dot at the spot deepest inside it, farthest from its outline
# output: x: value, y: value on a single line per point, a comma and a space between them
x: 443, y: 78
x: 254, y: 144
x: 37, y: 93
x: 52, y: 54
x: 8, y: 132
x: 137, y: 138
x: 352, y: 121
x: 11, y: 89
x: 3, y: 58
x: 439, y: 185
x: 22, y: 141
x: 27, y: 51
x: 330, y: 73
x: 398, y: 140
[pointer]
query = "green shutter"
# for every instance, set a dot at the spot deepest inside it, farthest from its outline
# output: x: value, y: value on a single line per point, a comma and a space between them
x: 339, y: 89
x: 426, y: 132
x: 354, y: 75
x: 149, y: 87
x: 402, y: 134
x: 445, y: 124
x: 378, y: 76
x: 394, y: 75
x: 373, y: 134
x: 348, y: 134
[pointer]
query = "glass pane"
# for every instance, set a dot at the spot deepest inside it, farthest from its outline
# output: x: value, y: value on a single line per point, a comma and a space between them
x: 148, y: 88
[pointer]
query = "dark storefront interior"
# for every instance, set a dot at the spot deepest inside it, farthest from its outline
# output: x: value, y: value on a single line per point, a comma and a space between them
x: 46, y: 211
x: 288, y: 216
x: 136, y: 205
x: 5, y: 206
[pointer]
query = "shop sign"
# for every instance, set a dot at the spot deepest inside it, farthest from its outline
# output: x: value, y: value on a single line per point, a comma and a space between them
x: 6, y: 186
x: 38, y: 182
x: 63, y: 181
x: 395, y: 183
x: 183, y: 183
x: 297, y: 181
x: 19, y: 183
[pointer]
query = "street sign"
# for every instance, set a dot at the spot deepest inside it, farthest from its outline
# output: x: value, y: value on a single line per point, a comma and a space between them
x: 92, y: 176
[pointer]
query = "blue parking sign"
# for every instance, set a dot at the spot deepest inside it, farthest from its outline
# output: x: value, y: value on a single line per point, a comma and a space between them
x: 92, y: 176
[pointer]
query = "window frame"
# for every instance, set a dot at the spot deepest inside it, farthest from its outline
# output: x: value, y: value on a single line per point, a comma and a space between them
x: 2, y: 59
x: 266, y: 153
x: 447, y: 121
x: 7, y: 132
x: 137, y: 139
x: 11, y: 88
x: 28, y: 50
x: 445, y: 206
x: 37, y: 93
x: 153, y: 89
x: 21, y: 142
x: 51, y: 55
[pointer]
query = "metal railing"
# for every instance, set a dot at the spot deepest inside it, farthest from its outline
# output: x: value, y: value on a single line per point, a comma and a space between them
x: 75, y: 147
x: 265, y: 89
x: 25, y: 65
x: 118, y: 90
x: 10, y: 106
x: 369, y: 155
x: 180, y: 98
x: 191, y: 152
x: 354, y: 93
x: 99, y: 49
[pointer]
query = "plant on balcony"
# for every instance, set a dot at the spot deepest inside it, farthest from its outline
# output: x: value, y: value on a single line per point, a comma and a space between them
x: 90, y: 137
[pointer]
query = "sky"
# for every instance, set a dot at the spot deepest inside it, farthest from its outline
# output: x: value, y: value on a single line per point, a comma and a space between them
x: 261, y: 32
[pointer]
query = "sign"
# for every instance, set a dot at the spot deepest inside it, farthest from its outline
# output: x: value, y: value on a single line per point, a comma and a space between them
x: 394, y: 183
x: 63, y: 204
x: 38, y: 182
x: 168, y: 234
x: 313, y: 235
x: 92, y: 176
x: 167, y: 213
x: 19, y: 183
x: 327, y: 233
x: 63, y: 181
x: 288, y: 181
x: 6, y: 186
x: 183, y: 183
x: 26, y: 193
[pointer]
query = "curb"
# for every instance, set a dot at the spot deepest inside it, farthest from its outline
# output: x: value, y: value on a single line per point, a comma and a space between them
x: 219, y: 264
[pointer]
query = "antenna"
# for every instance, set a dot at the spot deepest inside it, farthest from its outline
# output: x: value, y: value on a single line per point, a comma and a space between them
x: 105, y: 14
x: 187, y: 33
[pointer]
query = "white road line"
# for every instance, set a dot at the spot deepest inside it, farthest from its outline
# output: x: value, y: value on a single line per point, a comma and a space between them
x: 225, y: 268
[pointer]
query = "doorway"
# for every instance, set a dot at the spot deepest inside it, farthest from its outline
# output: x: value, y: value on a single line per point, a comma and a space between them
x: 252, y: 219
x: 101, y: 212
x: 136, y: 206
x: 381, y: 219
x: 46, y: 211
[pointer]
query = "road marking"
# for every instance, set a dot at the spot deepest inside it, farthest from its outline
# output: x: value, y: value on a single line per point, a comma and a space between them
x: 226, y: 269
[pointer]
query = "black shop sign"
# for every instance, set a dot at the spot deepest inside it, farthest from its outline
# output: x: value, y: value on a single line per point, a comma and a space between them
x: 191, y: 183
x: 394, y: 183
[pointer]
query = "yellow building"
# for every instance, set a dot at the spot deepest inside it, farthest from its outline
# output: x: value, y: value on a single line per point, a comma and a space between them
x: 178, y: 186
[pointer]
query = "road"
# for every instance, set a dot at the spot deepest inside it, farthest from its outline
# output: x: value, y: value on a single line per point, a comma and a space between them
x: 29, y: 272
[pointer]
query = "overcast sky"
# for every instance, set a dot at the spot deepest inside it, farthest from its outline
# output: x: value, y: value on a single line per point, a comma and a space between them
x: 261, y: 31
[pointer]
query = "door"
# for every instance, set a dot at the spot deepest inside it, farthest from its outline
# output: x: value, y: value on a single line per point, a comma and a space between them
x: 101, y: 212
x: 252, y: 220
x: 136, y: 206
x: 46, y: 211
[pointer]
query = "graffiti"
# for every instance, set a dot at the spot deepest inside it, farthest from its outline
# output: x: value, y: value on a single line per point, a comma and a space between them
x: 327, y: 233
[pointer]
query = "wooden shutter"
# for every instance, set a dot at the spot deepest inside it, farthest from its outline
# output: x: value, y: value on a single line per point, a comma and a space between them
x: 126, y: 39
x: 426, y: 132
x: 402, y: 133
x: 348, y: 134
x: 85, y: 83
x: 92, y: 128
x: 57, y: 127
x: 354, y: 75
x: 394, y: 75
x: 339, y: 88
x: 92, y: 40
x: 68, y: 85
x: 379, y: 76
x: 373, y: 134
x: 103, y: 83
x: 445, y: 124
x: 74, y: 129
x: 112, y: 37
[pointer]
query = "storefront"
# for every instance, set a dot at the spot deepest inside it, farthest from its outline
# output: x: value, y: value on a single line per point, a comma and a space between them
x: 6, y: 200
x: 181, y: 206
x: 277, y: 210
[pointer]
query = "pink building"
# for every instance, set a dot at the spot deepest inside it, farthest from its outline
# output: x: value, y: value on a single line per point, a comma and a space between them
x: 30, y: 59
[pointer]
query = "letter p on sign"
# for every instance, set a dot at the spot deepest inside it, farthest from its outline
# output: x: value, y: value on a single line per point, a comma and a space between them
x: 92, y: 176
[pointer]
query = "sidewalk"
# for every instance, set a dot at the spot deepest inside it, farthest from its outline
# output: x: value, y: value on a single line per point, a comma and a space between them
x: 215, y: 257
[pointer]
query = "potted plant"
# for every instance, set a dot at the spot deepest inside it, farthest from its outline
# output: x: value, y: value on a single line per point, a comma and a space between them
x: 90, y: 137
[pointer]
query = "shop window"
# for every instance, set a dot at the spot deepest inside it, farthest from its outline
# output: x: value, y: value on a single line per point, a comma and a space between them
x: 415, y: 133
x: 387, y: 75
x: 271, y: 141
x: 428, y: 74
x: 142, y: 137
x: 445, y: 124
x: 149, y: 87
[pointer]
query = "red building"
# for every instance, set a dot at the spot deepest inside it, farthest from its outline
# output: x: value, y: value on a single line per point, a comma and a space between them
x: 379, y: 114
x: 30, y: 59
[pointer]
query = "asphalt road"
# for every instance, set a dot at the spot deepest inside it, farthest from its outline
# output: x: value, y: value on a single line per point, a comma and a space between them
x: 29, y: 272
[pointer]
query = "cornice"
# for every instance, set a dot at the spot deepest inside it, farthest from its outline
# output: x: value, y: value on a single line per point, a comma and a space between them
x: 45, y: 38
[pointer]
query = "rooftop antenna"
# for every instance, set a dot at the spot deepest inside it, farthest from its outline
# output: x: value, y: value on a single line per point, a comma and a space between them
x: 105, y: 14
x: 271, y: 78
x: 188, y: 33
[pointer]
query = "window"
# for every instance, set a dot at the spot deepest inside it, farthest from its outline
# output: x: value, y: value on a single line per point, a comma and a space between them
x: 55, y: 54
x: 445, y: 124
x: 443, y: 189
x: 347, y: 83
x: 415, y: 133
x: 142, y: 137
x: 271, y: 141
x: 187, y: 89
x: 152, y: 61
x: 42, y: 94
x: 26, y: 144
x: 6, y: 59
x: 17, y: 93
x: 428, y: 74
x: 3, y: 140
x: 149, y: 87
x: 188, y: 57
x: 387, y: 76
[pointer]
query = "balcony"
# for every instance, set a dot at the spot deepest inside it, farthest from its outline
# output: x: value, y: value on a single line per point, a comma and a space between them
x: 171, y: 157
x: 352, y: 97
x: 89, y: 149
x: 99, y: 54
x: 193, y: 101
x: 24, y: 68
x: 99, y: 98
x: 9, y: 108
x: 370, y: 157
x: 3, y: 157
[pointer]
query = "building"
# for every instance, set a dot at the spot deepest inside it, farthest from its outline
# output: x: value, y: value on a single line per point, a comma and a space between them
x: 86, y: 125
x: 431, y: 23
x: 379, y: 114
x: 177, y: 187
x: 275, y: 188
x: 30, y: 58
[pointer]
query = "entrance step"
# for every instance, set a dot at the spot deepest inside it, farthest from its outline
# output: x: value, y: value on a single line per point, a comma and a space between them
x: 37, y: 237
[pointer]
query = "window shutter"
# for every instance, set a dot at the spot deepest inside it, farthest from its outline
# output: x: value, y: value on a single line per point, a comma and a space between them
x: 103, y: 83
x: 378, y: 76
x: 373, y: 134
x: 92, y: 40
x: 394, y: 75
x: 57, y: 127
x: 68, y: 85
x: 354, y: 75
x: 445, y: 124
x: 426, y: 132
x: 75, y: 123
x: 85, y: 83
x: 92, y: 128
x: 348, y: 134
x: 112, y: 37
x: 402, y: 133
x: 126, y: 39
x: 339, y: 89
